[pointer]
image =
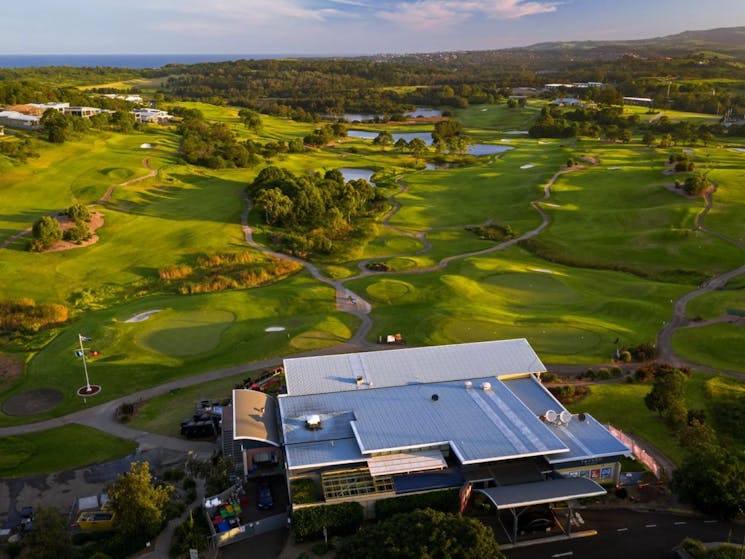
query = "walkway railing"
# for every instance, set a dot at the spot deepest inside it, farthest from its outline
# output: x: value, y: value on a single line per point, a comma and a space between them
x: 639, y: 453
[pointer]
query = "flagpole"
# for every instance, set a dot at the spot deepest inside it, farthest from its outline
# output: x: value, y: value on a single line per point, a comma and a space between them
x: 85, y: 366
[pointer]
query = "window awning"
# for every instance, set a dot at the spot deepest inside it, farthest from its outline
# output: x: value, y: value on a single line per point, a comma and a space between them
x: 404, y: 463
x: 540, y: 492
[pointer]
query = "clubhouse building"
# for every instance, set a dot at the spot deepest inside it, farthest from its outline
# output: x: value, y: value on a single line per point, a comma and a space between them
x: 473, y: 416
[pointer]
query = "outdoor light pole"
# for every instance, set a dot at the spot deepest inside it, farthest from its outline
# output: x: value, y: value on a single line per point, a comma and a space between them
x: 85, y: 365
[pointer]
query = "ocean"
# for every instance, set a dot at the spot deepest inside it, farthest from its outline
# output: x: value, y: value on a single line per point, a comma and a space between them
x: 135, y: 61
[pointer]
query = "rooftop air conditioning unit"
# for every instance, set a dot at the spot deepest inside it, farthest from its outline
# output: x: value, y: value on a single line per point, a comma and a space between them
x: 313, y: 422
x: 486, y: 386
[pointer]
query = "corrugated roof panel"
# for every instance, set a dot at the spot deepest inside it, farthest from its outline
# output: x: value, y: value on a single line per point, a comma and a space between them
x: 585, y: 439
x: 381, y: 369
x: 323, y: 453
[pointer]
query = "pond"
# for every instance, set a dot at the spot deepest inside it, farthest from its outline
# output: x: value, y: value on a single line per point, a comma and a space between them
x: 424, y: 112
x: 408, y: 136
x: 353, y: 174
x: 488, y: 149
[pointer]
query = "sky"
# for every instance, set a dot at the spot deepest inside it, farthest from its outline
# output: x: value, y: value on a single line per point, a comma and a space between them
x: 340, y: 27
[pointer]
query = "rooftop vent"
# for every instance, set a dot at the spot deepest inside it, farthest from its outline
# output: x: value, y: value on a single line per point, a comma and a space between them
x: 486, y: 386
x: 581, y: 417
x: 565, y: 417
x: 360, y: 380
x: 468, y: 384
x: 550, y: 416
x: 313, y: 422
x: 435, y: 397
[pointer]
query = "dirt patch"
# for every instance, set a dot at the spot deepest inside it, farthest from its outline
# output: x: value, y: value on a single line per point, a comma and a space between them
x: 67, y: 223
x: 10, y: 367
x: 591, y: 160
x: 33, y: 402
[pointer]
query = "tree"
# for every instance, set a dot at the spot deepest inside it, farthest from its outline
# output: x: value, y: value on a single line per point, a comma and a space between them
x: 45, y: 232
x: 668, y: 392
x: 384, y: 139
x: 418, y: 147
x: 422, y: 533
x: 712, y: 479
x: 401, y: 144
x: 123, y: 121
x: 56, y: 124
x: 49, y: 538
x: 138, y: 503
x: 648, y: 139
x: 275, y: 204
x: 251, y: 120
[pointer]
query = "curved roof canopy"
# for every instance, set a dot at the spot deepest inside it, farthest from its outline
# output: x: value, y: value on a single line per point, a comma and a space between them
x: 254, y: 416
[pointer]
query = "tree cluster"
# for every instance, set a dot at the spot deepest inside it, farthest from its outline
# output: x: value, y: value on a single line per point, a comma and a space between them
x: 325, y: 134
x: 313, y: 210
x: 422, y: 533
x: 213, y: 145
x: 44, y: 233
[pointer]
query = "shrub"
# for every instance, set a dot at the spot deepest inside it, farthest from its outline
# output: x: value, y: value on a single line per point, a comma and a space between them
x: 603, y: 374
x: 547, y: 378
x: 616, y: 372
x: 625, y: 356
x: 303, y: 491
x: 569, y: 393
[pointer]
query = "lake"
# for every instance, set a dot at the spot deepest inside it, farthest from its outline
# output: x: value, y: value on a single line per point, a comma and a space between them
x: 353, y: 174
x: 474, y: 149
x: 424, y: 112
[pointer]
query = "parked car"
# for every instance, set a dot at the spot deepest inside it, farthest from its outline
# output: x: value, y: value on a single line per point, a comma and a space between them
x: 264, y: 498
x: 536, y: 520
x: 27, y: 518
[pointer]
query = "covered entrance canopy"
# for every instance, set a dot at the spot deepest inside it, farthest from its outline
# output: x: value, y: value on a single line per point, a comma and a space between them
x: 523, y: 495
x: 540, y: 492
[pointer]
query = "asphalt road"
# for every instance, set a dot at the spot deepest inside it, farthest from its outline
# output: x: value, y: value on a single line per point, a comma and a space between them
x: 624, y: 534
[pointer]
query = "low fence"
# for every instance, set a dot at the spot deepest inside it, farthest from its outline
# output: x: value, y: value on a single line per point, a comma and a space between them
x: 639, y: 453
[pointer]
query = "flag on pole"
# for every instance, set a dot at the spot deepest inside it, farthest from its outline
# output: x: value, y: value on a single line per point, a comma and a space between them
x: 84, y: 338
x: 79, y: 353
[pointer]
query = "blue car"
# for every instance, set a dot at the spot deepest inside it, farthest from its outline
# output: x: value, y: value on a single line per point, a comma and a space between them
x: 264, y: 499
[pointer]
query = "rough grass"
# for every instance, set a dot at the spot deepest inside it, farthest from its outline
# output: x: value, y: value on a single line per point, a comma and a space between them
x: 62, y: 448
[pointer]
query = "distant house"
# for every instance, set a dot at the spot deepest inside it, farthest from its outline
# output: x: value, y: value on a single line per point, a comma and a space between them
x: 641, y: 101
x: 15, y: 119
x: 151, y: 115
x: 567, y: 102
x: 83, y: 112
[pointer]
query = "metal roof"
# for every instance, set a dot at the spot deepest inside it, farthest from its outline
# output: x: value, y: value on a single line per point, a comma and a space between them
x: 479, y: 425
x: 540, y: 492
x: 255, y: 416
x: 585, y: 437
x: 382, y: 369
x: 323, y: 453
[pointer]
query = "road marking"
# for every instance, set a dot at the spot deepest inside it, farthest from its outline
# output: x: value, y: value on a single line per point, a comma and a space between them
x: 679, y: 523
x: 567, y: 554
x: 650, y: 525
x: 622, y: 530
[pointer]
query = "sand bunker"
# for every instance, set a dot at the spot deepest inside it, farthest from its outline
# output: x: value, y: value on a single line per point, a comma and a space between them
x: 614, y: 168
x: 527, y: 166
x: 146, y: 146
x: 543, y: 143
x: 516, y: 132
x: 142, y: 316
x: 741, y: 150
x: 506, y: 140
x: 275, y: 329
x: 542, y: 270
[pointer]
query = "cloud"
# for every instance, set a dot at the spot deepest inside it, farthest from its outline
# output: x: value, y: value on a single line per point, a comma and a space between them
x: 433, y: 14
x: 351, y: 3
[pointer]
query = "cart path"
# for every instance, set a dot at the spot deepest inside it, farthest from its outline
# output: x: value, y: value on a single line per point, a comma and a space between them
x: 105, y: 198
x: 680, y: 318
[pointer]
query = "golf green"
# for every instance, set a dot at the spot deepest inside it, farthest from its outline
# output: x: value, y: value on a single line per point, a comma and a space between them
x: 186, y: 333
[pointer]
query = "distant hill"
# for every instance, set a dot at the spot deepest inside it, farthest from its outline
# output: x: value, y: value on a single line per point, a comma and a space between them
x: 725, y: 41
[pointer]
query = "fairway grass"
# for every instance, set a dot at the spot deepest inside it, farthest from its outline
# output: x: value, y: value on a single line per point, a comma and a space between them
x: 62, y: 448
x: 721, y: 346
x: 569, y: 315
